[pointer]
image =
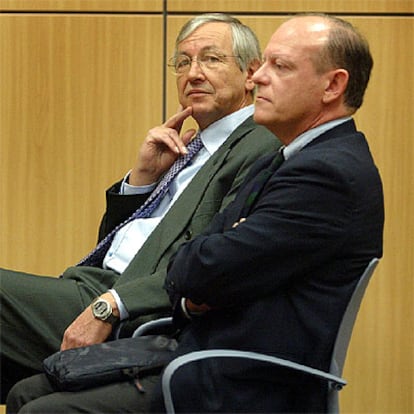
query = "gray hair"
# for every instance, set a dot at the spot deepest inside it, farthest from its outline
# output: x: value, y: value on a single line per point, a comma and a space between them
x: 245, y: 43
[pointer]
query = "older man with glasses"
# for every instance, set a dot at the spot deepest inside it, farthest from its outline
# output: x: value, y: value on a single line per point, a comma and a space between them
x: 119, y: 285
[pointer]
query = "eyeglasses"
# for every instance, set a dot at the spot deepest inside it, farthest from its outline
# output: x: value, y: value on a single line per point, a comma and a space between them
x: 182, y: 63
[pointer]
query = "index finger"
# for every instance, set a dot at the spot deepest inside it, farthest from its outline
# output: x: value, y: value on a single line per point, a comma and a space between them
x: 177, y: 120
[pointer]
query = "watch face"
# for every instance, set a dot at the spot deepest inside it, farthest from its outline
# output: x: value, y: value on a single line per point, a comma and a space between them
x: 101, y: 309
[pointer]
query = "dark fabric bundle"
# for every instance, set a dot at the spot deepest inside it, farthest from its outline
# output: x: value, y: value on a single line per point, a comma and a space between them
x: 120, y: 360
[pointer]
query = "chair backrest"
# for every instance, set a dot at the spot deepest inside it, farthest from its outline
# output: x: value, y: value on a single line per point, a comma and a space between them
x: 333, y: 378
x: 345, y: 331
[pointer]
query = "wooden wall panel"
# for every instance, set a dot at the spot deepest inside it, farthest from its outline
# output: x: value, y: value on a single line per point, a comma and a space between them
x: 82, y: 5
x: 79, y: 92
x: 381, y: 357
x: 379, y: 367
x: 283, y: 6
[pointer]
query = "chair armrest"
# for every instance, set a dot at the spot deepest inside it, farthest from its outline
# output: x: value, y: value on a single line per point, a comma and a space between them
x: 177, y: 363
x: 156, y: 324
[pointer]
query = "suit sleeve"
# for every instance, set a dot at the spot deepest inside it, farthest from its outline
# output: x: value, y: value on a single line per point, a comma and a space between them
x: 118, y: 208
x: 298, y: 221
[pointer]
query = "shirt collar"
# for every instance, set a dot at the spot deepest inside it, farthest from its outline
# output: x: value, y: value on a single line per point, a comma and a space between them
x: 217, y: 133
x: 308, y: 136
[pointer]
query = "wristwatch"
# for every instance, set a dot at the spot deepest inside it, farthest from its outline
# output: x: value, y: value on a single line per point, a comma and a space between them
x: 102, y: 310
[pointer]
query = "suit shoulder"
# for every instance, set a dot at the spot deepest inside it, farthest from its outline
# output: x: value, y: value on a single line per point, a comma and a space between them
x: 259, y: 139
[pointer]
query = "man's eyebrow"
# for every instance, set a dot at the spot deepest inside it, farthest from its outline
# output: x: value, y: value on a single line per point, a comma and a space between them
x: 272, y: 56
x: 211, y: 48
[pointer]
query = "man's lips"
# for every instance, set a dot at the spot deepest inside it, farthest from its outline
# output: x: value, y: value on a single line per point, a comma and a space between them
x: 262, y: 98
x: 197, y: 92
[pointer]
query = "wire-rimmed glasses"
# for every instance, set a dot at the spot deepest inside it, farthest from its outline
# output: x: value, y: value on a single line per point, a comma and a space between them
x: 182, y: 63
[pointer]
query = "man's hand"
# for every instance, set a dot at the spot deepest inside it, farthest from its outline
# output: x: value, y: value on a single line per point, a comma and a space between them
x: 193, y: 308
x: 162, y: 146
x: 86, y: 329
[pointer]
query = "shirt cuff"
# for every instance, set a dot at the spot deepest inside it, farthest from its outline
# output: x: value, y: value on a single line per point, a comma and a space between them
x: 123, y: 313
x: 128, y: 189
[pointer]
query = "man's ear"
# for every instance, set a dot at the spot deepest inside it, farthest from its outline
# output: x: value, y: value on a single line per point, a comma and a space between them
x: 253, y: 66
x: 336, y: 83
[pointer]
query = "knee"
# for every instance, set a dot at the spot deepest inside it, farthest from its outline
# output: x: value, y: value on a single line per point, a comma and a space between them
x: 24, y: 395
x: 18, y: 403
x: 15, y: 399
x: 32, y: 407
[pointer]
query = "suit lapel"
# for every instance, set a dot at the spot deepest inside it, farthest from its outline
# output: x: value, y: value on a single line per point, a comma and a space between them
x: 257, y: 184
x: 252, y: 186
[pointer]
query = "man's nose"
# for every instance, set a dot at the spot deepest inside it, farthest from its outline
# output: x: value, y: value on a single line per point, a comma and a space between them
x: 195, y: 68
x: 259, y: 75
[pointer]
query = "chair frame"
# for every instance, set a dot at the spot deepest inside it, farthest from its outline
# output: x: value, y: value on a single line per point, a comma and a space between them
x: 333, y: 378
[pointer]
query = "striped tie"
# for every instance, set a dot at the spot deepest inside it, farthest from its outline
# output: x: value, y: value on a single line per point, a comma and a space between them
x: 96, y: 256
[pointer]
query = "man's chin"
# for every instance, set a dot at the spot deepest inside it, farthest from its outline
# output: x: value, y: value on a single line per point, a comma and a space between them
x: 201, y: 108
x: 258, y: 117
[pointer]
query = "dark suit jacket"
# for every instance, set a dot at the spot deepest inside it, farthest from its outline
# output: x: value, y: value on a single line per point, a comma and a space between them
x: 214, y: 186
x: 279, y: 282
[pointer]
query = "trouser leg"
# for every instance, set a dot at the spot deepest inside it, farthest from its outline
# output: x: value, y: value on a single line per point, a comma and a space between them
x: 11, y: 372
x: 34, y: 313
x: 36, y: 395
x: 26, y: 390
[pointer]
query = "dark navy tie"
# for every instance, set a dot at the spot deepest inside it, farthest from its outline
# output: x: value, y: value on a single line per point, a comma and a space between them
x: 260, y: 181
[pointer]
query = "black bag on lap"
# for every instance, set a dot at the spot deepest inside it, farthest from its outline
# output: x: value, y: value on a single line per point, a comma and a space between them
x: 121, y: 360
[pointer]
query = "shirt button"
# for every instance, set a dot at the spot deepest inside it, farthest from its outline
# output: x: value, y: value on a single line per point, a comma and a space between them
x: 188, y: 234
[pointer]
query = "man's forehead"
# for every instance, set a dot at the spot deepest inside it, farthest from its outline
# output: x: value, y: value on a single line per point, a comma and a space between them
x: 307, y: 29
x: 298, y: 34
x: 209, y: 33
